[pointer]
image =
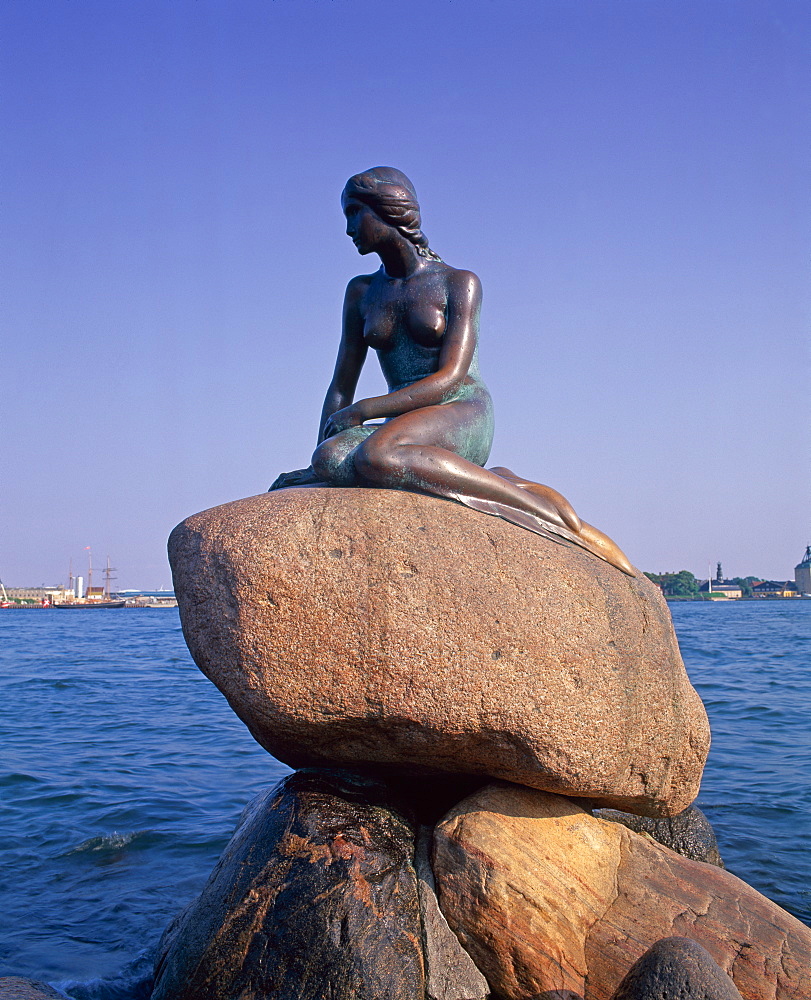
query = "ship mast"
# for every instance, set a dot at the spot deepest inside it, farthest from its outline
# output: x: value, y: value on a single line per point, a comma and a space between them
x: 108, y: 575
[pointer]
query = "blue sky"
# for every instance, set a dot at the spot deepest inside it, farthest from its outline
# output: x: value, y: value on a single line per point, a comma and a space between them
x: 629, y: 179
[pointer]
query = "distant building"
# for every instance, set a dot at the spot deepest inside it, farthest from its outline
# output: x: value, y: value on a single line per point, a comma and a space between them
x: 724, y: 588
x: 60, y: 595
x: 34, y: 595
x: 802, y: 573
x: 775, y: 588
x: 29, y: 595
x: 731, y: 591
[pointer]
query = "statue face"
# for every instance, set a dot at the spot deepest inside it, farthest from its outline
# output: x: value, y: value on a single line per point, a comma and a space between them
x: 364, y: 226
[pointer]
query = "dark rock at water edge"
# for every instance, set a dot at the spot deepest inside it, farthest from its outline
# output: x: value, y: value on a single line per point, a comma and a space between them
x: 689, y: 833
x: 315, y: 896
x: 20, y: 988
x: 676, y: 967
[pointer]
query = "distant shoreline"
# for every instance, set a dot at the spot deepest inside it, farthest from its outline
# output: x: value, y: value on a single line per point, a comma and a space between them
x: 733, y: 600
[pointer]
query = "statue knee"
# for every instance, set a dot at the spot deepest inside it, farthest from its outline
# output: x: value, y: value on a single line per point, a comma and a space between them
x: 322, y: 460
x: 374, y: 463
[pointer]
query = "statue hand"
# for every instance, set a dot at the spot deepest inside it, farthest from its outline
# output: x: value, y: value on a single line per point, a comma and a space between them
x: 349, y: 416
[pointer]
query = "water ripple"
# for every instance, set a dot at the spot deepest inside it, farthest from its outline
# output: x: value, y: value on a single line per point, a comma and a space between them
x: 750, y: 663
x: 123, y: 772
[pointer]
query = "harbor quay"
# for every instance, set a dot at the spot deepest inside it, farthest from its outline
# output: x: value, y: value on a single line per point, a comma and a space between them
x: 91, y: 597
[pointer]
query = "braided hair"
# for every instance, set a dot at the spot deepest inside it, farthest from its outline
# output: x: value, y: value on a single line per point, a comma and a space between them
x: 390, y: 194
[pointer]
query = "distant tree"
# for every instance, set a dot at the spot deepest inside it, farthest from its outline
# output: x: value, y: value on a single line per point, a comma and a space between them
x: 745, y: 583
x: 681, y: 584
x: 684, y: 584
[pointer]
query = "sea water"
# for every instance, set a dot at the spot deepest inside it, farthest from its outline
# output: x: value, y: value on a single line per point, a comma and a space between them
x: 123, y: 772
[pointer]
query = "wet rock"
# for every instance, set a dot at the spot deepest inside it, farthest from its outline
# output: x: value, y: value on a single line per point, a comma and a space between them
x: 315, y: 896
x: 689, y: 833
x: 362, y: 626
x: 20, y: 988
x: 676, y: 968
x: 545, y: 896
x: 451, y: 973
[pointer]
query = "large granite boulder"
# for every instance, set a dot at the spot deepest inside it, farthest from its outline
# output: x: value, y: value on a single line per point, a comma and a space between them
x: 544, y: 896
x: 360, y: 626
x: 315, y: 896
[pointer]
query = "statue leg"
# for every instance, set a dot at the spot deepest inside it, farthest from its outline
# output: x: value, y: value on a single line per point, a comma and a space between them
x: 596, y: 539
x: 420, y: 450
x: 557, y: 500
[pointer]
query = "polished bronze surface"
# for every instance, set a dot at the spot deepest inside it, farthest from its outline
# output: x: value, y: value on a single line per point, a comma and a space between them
x: 421, y: 316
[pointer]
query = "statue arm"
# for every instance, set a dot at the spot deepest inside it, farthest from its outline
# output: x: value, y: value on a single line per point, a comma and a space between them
x: 458, y: 345
x: 351, y: 356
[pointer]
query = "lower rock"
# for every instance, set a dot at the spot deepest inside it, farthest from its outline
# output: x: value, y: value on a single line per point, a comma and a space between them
x: 314, y: 897
x: 545, y: 897
x: 676, y: 967
x: 558, y: 995
x: 20, y: 988
x: 451, y: 973
x: 689, y: 833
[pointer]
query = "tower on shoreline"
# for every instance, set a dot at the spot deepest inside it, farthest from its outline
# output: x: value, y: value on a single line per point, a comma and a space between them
x: 802, y: 573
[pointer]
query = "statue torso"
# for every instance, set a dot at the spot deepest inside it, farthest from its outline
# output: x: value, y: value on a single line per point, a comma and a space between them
x: 404, y: 320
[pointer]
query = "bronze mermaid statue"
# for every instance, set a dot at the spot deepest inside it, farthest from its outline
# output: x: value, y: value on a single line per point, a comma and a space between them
x: 421, y: 316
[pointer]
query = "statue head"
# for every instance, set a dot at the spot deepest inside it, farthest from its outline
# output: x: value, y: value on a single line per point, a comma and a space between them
x: 391, y: 196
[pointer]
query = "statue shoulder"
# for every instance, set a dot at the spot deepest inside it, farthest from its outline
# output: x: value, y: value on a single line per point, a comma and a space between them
x: 464, y: 283
x: 359, y: 283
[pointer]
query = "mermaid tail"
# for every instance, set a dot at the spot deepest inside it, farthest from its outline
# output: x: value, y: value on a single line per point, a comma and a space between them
x: 588, y: 537
x: 604, y: 547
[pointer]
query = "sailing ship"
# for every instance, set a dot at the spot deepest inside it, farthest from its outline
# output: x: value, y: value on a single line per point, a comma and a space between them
x: 94, y: 597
